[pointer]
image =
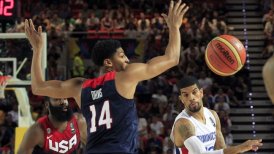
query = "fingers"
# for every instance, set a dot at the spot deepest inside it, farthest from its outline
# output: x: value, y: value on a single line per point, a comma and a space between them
x: 26, y: 26
x: 31, y: 24
x: 40, y: 30
x: 164, y: 16
x: 171, y: 5
x: 181, y: 8
x: 177, y: 6
x: 185, y: 9
x: 256, y: 144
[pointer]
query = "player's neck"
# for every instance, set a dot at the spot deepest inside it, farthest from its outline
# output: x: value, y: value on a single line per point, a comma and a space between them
x: 104, y: 70
x: 199, y: 115
x: 61, y: 126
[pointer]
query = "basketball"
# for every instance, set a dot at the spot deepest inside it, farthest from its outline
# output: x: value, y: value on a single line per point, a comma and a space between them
x: 225, y: 55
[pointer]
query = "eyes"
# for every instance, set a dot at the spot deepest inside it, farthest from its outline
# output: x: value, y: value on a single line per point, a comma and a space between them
x: 122, y: 55
x: 194, y: 92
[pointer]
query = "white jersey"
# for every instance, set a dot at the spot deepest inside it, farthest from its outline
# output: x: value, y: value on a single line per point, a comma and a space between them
x: 205, y: 132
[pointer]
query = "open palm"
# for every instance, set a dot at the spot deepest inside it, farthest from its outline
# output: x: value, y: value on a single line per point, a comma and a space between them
x: 34, y: 36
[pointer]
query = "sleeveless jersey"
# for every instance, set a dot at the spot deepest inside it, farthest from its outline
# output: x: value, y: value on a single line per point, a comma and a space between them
x: 205, y: 132
x: 112, y: 120
x: 59, y: 142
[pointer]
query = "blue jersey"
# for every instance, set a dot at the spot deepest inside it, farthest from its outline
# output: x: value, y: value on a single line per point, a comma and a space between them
x: 112, y: 120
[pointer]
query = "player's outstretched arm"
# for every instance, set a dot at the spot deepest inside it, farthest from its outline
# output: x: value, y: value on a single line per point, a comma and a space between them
x: 54, y: 88
x: 184, y: 136
x: 268, y: 76
x: 33, y: 136
x: 140, y: 71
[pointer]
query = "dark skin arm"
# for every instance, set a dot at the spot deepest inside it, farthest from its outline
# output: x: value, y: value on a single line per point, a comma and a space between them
x: 34, y: 136
x: 127, y: 80
x: 220, y: 142
x: 82, y: 125
x: 53, y: 88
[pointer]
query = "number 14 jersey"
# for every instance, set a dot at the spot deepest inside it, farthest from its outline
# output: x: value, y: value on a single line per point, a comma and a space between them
x: 111, y: 119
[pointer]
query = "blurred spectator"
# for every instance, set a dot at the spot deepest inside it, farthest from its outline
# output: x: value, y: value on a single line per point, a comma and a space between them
x: 233, y: 101
x: 221, y: 105
x: 93, y: 22
x: 14, y: 113
x: 269, y: 49
x: 240, y: 89
x: 157, y: 125
x: 160, y: 97
x: 268, y: 29
x: 107, y: 22
x: 204, y: 81
x: 221, y: 96
x: 78, y: 66
x: 154, y: 143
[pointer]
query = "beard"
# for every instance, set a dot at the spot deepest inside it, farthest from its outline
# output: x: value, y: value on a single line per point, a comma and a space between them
x: 196, y: 108
x: 59, y: 114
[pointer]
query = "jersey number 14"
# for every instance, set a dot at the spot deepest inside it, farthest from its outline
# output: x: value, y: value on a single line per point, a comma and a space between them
x: 104, y: 118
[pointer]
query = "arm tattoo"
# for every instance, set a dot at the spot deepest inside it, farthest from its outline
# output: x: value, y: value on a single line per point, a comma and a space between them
x: 186, y: 131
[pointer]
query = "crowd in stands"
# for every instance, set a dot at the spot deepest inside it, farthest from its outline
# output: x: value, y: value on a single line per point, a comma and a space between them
x: 268, y: 21
x: 68, y: 22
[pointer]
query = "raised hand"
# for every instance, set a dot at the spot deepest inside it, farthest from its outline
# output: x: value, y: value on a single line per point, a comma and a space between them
x: 34, y: 36
x: 175, y: 14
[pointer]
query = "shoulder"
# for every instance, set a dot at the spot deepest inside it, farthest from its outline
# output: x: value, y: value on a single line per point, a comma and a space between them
x: 184, y: 123
x: 36, y: 128
x: 78, y: 80
x: 214, y: 114
x: 80, y: 119
x: 35, y: 131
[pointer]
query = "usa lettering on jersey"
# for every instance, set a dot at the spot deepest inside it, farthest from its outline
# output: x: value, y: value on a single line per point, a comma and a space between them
x: 63, y: 146
x: 96, y: 94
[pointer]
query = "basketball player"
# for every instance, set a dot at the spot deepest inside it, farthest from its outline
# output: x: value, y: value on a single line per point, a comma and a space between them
x: 268, y: 76
x: 107, y: 101
x: 58, y: 132
x: 197, y: 130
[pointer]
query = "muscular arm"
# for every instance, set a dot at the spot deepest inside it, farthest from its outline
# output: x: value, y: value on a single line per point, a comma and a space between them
x: 82, y: 125
x: 56, y: 89
x: 268, y: 76
x: 140, y: 71
x: 143, y: 71
x: 220, y: 142
x: 34, y: 136
x: 183, y: 130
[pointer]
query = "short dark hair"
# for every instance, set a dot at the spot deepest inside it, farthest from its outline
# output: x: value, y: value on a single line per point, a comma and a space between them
x: 104, y: 49
x: 187, y: 81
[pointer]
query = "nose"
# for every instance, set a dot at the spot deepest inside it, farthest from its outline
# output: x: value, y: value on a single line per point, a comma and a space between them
x: 127, y: 60
x: 64, y: 102
x: 191, y: 96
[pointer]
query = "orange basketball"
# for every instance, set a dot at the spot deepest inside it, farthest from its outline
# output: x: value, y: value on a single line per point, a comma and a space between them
x: 225, y: 55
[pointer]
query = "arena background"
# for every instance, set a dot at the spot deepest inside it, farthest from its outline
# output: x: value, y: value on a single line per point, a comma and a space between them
x: 73, y: 26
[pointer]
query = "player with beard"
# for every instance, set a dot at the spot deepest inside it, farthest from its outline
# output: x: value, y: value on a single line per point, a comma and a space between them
x: 60, y: 131
x: 197, y: 129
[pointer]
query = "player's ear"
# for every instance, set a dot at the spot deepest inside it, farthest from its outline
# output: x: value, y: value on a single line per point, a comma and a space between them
x: 108, y: 63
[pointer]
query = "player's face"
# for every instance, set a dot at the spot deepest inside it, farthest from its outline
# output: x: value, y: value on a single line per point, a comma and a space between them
x: 59, y: 109
x: 119, y: 60
x: 191, y: 97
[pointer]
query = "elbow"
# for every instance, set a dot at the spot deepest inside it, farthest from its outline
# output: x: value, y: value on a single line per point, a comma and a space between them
x: 34, y: 90
x: 174, y: 61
